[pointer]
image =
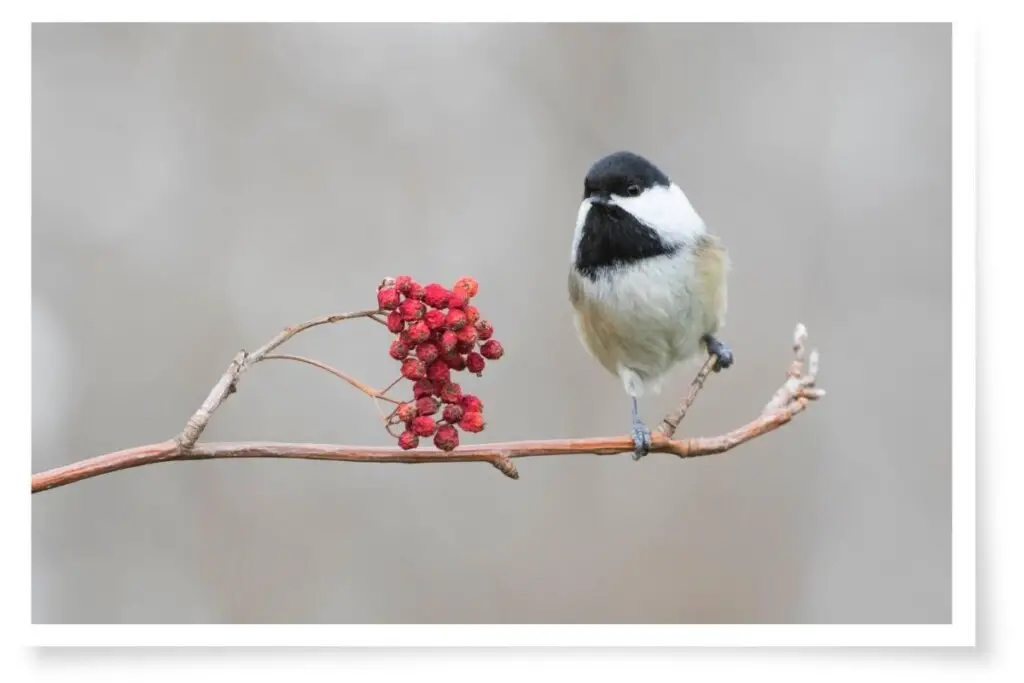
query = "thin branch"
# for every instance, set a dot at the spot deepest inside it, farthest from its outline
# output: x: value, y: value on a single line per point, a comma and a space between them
x: 366, y: 389
x: 671, y: 422
x: 791, y: 399
x: 494, y: 453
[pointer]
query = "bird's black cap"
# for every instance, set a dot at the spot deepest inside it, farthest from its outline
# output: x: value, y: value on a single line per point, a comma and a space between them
x: 621, y: 172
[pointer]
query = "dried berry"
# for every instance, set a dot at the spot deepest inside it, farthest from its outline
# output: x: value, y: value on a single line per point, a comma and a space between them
x: 472, y: 314
x: 423, y: 387
x: 464, y: 347
x: 455, y: 320
x: 467, y: 335
x: 427, y: 352
x: 399, y: 350
x: 395, y: 323
x: 457, y: 300
x: 408, y: 441
x: 428, y: 405
x: 438, y: 371
x: 471, y: 422
x: 436, y: 295
x: 475, y: 363
x: 434, y: 319
x: 448, y: 341
x: 452, y: 413
x: 467, y: 286
x: 414, y: 368
x: 471, y: 404
x: 484, y: 330
x: 492, y: 349
x: 403, y: 283
x: 387, y: 298
x: 423, y: 426
x: 416, y: 291
x: 447, y: 438
x: 412, y: 309
x: 405, y: 412
x: 456, y: 361
x: 419, y: 332
x: 450, y: 393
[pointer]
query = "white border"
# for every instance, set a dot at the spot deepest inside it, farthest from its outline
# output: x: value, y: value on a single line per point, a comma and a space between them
x: 960, y: 632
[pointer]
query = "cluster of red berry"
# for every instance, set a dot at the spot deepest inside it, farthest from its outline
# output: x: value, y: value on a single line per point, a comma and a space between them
x: 438, y: 331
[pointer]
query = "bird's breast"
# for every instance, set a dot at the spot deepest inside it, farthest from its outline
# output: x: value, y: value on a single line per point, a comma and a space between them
x: 641, y: 315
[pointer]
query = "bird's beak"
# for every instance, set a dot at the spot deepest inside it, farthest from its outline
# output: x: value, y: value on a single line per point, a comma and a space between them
x: 597, y: 198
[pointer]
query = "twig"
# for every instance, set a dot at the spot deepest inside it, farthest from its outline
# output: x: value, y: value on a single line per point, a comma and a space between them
x: 791, y: 399
x: 368, y: 390
x: 671, y: 422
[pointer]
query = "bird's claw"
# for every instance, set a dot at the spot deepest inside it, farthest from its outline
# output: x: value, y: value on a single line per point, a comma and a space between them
x: 641, y: 440
x: 721, y: 351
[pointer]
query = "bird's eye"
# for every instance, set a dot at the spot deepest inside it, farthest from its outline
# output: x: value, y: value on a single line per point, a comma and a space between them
x: 633, y: 190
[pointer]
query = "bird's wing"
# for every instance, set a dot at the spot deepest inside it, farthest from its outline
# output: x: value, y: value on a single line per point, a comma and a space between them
x: 575, y: 289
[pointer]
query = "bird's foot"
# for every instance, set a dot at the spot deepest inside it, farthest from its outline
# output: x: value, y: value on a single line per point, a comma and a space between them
x: 641, y: 439
x: 721, y: 351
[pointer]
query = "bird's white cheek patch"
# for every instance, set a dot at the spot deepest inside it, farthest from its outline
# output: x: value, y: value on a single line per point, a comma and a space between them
x: 581, y: 218
x: 665, y: 209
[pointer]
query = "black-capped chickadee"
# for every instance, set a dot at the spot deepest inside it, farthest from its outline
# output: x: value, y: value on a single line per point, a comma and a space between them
x: 647, y: 281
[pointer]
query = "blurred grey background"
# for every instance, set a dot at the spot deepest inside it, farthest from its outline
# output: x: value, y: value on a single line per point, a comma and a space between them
x: 198, y: 187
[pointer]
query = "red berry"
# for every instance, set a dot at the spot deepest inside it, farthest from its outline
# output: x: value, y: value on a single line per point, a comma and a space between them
x: 419, y: 332
x: 408, y: 441
x: 455, y: 320
x: 452, y: 413
x: 451, y: 393
x: 455, y: 361
x: 439, y: 386
x: 464, y: 347
x: 427, y: 352
x: 395, y: 322
x: 492, y: 349
x: 467, y: 335
x: 472, y: 314
x: 405, y: 412
x: 411, y: 309
x: 416, y: 291
x: 484, y: 330
x: 414, y: 368
x: 387, y: 298
x: 457, y: 300
x: 434, y: 319
x: 447, y: 438
x: 467, y: 286
x: 438, y: 371
x: 472, y: 422
x: 448, y: 341
x: 399, y: 350
x: 423, y: 426
x: 475, y: 363
x: 471, y: 404
x: 428, y: 405
x: 403, y: 283
x: 436, y: 295
x: 422, y: 387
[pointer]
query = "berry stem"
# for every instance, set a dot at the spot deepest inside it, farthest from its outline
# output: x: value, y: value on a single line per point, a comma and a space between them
x: 368, y: 390
x: 389, y: 387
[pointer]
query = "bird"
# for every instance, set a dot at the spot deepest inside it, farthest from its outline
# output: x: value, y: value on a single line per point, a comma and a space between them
x: 647, y: 280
